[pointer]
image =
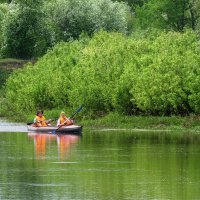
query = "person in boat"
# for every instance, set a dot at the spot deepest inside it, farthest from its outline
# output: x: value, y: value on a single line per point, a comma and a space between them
x: 40, y: 120
x: 63, y: 120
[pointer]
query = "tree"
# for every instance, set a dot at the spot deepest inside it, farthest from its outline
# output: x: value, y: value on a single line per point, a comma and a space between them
x: 31, y: 27
x: 167, y: 14
x: 71, y: 18
x: 24, y: 31
x: 5, y: 1
x: 133, y: 3
x: 3, y: 11
x: 195, y: 13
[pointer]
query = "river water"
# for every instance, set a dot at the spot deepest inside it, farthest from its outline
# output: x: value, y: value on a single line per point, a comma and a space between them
x: 98, y: 165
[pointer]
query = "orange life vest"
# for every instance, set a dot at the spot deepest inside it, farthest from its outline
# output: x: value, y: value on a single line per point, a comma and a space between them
x: 65, y: 120
x: 40, y: 121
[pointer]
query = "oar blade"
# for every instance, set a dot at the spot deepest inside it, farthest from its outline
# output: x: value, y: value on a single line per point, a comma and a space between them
x: 77, y: 111
x: 80, y: 109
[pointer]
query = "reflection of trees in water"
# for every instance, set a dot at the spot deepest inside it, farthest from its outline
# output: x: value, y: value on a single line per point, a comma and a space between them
x: 130, y: 137
x: 64, y: 143
x: 108, y: 166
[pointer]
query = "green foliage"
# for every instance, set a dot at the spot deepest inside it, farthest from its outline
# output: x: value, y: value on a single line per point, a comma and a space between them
x: 3, y: 11
x: 47, y: 83
x: 196, y: 10
x: 151, y: 15
x: 4, y: 74
x: 29, y: 27
x: 24, y: 32
x: 5, y: 1
x: 193, y: 82
x: 133, y: 3
x: 168, y: 14
x: 112, y: 72
x: 98, y: 72
x: 161, y: 85
x: 71, y: 18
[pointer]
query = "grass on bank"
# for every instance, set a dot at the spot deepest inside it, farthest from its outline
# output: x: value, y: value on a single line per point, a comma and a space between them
x: 114, y: 120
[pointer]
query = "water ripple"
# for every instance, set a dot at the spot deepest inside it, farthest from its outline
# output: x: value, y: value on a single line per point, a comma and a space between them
x: 6, y: 126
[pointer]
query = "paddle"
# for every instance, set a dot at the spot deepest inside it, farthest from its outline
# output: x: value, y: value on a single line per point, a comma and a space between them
x: 77, y: 111
x: 30, y: 123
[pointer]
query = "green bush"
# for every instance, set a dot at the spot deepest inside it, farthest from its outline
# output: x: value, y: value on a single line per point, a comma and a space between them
x: 161, y: 87
x: 44, y: 85
x: 4, y: 74
x: 112, y: 72
x: 98, y: 72
x: 167, y: 15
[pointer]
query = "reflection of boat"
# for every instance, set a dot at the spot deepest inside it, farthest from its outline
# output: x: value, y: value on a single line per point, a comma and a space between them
x: 64, y: 143
x: 40, y: 142
x: 64, y: 129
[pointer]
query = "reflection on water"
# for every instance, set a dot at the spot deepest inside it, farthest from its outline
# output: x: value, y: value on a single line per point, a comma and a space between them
x: 100, y: 166
x: 64, y: 143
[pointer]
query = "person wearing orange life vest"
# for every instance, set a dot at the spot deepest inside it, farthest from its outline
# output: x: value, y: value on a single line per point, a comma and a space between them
x: 40, y: 120
x: 63, y: 120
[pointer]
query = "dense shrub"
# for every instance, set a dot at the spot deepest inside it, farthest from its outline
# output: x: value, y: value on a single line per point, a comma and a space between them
x: 98, y: 72
x: 4, y: 74
x: 112, y: 72
x: 46, y: 84
x: 193, y: 82
x: 161, y: 86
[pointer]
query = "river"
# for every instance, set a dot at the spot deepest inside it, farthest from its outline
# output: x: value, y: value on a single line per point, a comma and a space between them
x: 99, y: 165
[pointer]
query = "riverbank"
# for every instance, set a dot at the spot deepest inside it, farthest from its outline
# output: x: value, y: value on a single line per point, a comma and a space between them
x: 116, y: 121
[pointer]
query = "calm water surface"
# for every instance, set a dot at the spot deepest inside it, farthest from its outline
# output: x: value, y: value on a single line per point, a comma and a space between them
x: 99, y: 165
